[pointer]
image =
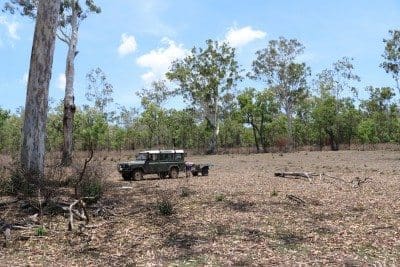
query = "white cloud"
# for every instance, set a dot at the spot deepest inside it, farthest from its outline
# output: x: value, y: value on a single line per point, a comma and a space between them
x: 128, y: 45
x: 12, y: 28
x: 61, y: 80
x: 240, y: 37
x: 159, y: 60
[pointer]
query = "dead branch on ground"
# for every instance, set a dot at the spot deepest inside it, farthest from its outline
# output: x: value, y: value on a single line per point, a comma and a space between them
x: 356, y: 182
x: 296, y: 199
x: 79, y: 214
x: 295, y: 175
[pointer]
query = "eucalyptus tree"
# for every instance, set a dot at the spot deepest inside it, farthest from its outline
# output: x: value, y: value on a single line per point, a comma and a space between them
x: 331, y: 84
x: 71, y: 14
x: 382, y: 110
x: 157, y: 93
x: 36, y: 105
x: 391, y: 55
x: 204, y: 77
x: 4, y: 116
x: 277, y: 66
x: 258, y: 109
x: 99, y: 91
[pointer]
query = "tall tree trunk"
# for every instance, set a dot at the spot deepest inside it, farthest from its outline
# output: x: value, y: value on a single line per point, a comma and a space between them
x: 36, y: 105
x: 213, y: 120
x: 69, y: 105
x: 255, y: 136
x: 333, y: 142
x: 261, y: 133
x: 289, y: 118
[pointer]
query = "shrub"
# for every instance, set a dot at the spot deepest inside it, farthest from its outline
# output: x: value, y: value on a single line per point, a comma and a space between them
x: 90, y: 183
x: 40, y: 231
x: 185, y: 192
x: 219, y: 197
x: 274, y: 193
x: 165, y: 206
x: 92, y: 189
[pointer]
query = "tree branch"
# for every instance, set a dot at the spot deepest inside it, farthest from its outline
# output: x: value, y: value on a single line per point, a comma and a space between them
x: 64, y: 37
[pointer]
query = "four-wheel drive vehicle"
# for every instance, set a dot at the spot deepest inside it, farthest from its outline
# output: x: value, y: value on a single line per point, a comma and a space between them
x: 162, y: 162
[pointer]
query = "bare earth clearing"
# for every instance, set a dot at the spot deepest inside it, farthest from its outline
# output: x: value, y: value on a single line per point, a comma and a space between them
x: 239, y: 215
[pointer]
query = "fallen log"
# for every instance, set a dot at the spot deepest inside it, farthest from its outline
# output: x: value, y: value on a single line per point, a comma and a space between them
x: 296, y: 199
x: 295, y: 175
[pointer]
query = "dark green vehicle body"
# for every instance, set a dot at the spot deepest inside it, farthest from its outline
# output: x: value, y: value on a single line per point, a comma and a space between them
x: 162, y: 162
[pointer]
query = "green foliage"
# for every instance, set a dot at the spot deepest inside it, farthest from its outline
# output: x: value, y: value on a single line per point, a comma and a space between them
x: 367, y: 131
x: 274, y: 193
x: 391, y: 55
x: 40, y: 231
x: 205, y: 77
x: 258, y: 109
x: 334, y: 116
x: 10, y: 132
x: 384, y: 113
x: 277, y: 66
x: 282, y: 115
x: 92, y: 189
x: 185, y: 192
x: 165, y: 206
x: 92, y: 183
x: 54, y: 129
x: 91, y: 129
x: 99, y: 90
x: 29, y: 8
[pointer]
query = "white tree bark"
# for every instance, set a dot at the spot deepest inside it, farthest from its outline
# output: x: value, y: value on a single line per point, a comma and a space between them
x: 212, y: 117
x: 36, y: 105
x: 69, y: 105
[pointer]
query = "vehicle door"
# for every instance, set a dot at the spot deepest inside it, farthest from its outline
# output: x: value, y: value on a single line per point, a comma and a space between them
x: 165, y: 162
x: 179, y: 159
x: 151, y: 165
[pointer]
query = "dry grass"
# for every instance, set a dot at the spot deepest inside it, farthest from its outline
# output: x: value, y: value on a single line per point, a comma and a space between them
x: 238, y: 215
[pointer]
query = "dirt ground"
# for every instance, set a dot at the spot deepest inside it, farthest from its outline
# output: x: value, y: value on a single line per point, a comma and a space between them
x: 239, y: 215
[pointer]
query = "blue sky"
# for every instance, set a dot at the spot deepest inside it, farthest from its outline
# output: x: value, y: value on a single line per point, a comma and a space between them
x: 134, y: 41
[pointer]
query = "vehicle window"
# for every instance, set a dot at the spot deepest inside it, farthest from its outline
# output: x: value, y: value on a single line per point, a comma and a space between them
x: 153, y: 157
x: 178, y: 156
x: 166, y: 157
x: 141, y: 156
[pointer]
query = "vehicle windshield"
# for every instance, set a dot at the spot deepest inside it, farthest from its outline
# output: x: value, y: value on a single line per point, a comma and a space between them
x: 141, y: 156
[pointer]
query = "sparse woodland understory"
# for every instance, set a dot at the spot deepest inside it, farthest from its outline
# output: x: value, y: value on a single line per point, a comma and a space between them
x: 157, y: 127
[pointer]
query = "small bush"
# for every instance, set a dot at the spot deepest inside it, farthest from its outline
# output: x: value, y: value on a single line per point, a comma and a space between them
x: 21, y: 183
x: 185, y: 192
x: 165, y: 207
x: 40, y: 231
x: 219, y: 197
x: 92, y: 189
x: 90, y: 184
x: 5, y: 186
x: 274, y: 193
x: 32, y: 185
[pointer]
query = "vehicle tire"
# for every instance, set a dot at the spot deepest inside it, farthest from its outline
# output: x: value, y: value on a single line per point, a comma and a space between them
x: 173, y: 173
x: 127, y: 176
x: 137, y: 175
x: 162, y: 175
x: 204, y: 171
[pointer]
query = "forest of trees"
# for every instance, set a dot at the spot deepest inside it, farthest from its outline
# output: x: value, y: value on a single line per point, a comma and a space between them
x: 292, y: 108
